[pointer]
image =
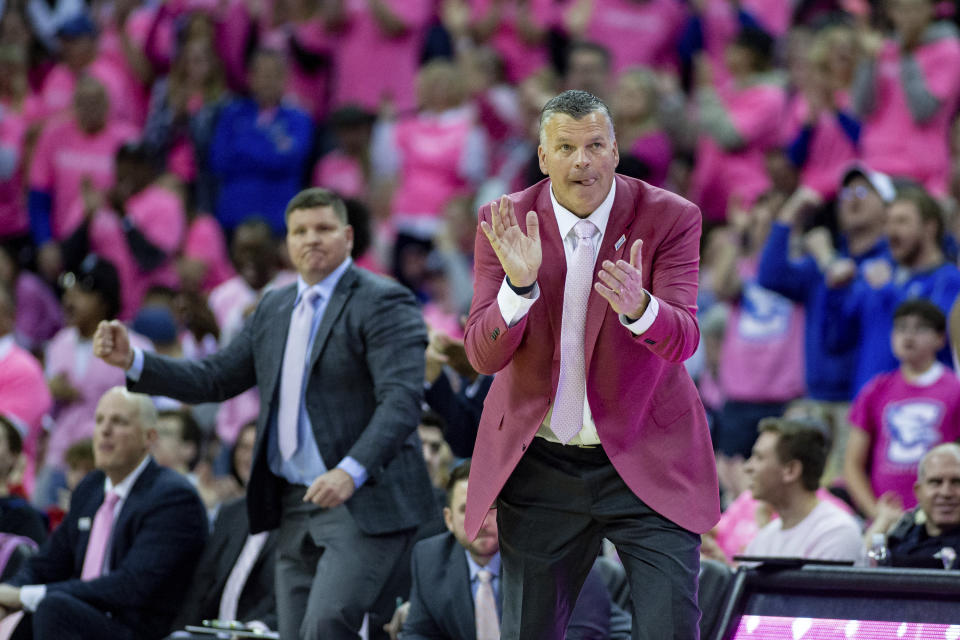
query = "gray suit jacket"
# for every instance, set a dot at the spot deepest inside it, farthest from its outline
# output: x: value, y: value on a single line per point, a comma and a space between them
x: 363, y: 395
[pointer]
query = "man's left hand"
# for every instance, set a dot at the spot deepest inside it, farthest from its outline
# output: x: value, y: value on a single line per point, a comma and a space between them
x: 10, y: 598
x: 624, y: 290
x: 330, y: 490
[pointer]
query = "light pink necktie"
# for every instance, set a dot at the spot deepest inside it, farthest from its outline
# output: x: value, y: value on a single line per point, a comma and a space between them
x: 291, y: 376
x: 567, y: 418
x: 99, y: 537
x: 233, y: 588
x: 485, y: 608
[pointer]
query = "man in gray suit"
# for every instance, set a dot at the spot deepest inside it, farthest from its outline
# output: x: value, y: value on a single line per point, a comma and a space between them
x: 338, y: 361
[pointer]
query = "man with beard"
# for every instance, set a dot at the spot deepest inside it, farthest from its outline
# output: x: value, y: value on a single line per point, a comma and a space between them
x: 863, y: 306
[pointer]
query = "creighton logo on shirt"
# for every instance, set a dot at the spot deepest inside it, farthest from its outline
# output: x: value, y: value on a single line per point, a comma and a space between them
x: 914, y: 427
x: 764, y: 315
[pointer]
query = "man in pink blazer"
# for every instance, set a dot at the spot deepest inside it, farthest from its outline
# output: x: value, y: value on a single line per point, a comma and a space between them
x: 584, y: 309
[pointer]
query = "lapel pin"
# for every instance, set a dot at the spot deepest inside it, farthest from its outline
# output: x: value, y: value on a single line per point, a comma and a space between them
x: 83, y: 524
x: 620, y: 242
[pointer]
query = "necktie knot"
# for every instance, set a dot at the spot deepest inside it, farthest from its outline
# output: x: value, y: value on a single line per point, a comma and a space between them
x: 484, y: 576
x: 310, y: 299
x: 585, y: 230
x: 111, y: 499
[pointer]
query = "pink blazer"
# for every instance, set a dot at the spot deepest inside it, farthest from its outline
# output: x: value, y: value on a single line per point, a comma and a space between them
x: 646, y: 408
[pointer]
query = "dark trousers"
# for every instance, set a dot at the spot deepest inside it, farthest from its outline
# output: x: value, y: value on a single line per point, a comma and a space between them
x: 329, y: 573
x: 64, y: 617
x: 553, y: 513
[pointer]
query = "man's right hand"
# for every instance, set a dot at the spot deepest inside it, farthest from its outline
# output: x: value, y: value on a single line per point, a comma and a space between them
x: 519, y: 253
x: 111, y: 343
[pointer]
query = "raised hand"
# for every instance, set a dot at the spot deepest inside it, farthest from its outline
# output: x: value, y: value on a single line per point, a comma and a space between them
x: 111, y: 343
x: 519, y: 253
x: 624, y: 290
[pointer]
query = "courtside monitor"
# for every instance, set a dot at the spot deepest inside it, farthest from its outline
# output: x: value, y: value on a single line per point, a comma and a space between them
x: 811, y: 602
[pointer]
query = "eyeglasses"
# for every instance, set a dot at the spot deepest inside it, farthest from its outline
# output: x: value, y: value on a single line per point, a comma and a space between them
x: 859, y: 192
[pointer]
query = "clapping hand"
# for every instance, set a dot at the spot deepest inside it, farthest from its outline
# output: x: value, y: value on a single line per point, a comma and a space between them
x: 519, y: 253
x: 624, y: 290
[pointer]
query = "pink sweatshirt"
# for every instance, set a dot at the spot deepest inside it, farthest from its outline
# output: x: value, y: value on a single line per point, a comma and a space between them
x: 370, y: 65
x: 64, y: 155
x: 158, y: 214
x: 892, y: 141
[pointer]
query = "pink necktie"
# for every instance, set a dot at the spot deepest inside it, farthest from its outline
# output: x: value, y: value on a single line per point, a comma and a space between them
x: 99, y: 537
x: 567, y: 418
x: 239, y: 574
x: 291, y: 376
x: 485, y: 608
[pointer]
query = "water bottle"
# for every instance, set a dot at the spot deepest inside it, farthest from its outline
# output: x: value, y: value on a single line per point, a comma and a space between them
x: 878, y: 555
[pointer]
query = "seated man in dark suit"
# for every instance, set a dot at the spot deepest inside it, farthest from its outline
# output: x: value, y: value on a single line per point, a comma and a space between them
x: 919, y: 537
x: 119, y: 564
x: 449, y: 568
x: 234, y: 579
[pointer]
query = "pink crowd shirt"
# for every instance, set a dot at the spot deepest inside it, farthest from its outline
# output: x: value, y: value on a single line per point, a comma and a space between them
x: 905, y: 420
x: 158, y: 214
x: 892, y: 141
x: 830, y: 153
x: 520, y: 59
x: 638, y: 33
x: 341, y: 173
x: 656, y: 151
x: 205, y: 242
x: 64, y: 155
x: 25, y: 397
x: 370, y: 65
x: 757, y: 112
x: 59, y: 85
x: 430, y: 148
x: 762, y: 354
x: 111, y: 48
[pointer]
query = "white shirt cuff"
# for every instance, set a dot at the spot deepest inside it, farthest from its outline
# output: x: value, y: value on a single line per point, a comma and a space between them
x: 136, y: 368
x: 646, y: 320
x: 513, y: 306
x: 31, y: 595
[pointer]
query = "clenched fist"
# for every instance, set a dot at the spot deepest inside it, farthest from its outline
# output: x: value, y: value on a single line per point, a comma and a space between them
x: 111, y: 343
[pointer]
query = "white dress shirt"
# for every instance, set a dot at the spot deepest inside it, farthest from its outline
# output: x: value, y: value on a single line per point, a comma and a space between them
x: 514, y: 307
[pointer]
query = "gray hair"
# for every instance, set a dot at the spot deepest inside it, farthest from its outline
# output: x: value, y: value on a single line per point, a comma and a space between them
x: 146, y: 411
x: 317, y: 197
x: 947, y: 449
x: 576, y: 104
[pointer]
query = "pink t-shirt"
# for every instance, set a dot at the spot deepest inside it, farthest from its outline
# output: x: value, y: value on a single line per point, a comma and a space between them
x: 430, y: 148
x: 64, y: 155
x: 67, y: 353
x: 656, y: 151
x: 59, y: 85
x: 891, y: 141
x: 370, y: 65
x: 756, y: 112
x: 762, y: 354
x: 638, y: 33
x: 341, y: 173
x: 111, y: 48
x: 520, y: 59
x: 205, y: 242
x: 904, y: 421
x: 830, y: 152
x: 25, y: 397
x: 158, y: 214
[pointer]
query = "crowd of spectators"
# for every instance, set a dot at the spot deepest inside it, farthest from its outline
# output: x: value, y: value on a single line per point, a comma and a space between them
x: 148, y: 151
